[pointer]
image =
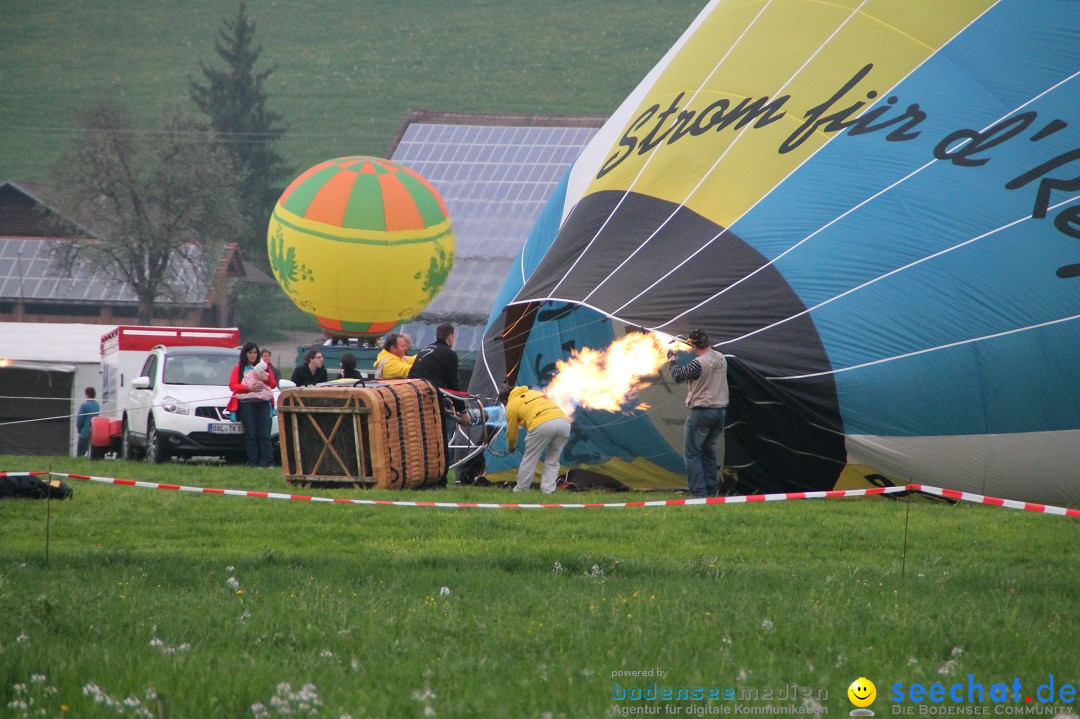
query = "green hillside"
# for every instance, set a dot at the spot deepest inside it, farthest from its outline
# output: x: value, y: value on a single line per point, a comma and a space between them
x: 345, y: 71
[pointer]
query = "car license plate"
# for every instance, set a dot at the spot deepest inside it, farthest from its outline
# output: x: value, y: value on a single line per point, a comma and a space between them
x: 226, y: 428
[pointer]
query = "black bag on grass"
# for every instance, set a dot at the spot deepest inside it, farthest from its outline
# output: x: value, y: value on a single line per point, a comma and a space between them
x: 25, y: 486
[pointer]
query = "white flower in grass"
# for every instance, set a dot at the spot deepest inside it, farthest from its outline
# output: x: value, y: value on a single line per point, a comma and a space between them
x: 743, y: 675
x: 259, y: 711
x: 326, y: 654
x: 425, y: 695
x: 596, y: 571
x: 912, y: 661
x: 444, y: 591
x: 22, y: 638
x: 38, y: 678
x: 233, y: 583
x: 429, y: 711
x: 767, y: 625
x: 557, y: 567
x: 230, y: 569
x: 950, y: 666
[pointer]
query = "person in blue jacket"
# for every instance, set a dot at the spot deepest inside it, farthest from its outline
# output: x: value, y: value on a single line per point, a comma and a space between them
x: 87, y: 411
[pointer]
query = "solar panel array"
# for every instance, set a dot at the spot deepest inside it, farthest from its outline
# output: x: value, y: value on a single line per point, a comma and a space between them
x: 495, y: 179
x: 30, y: 271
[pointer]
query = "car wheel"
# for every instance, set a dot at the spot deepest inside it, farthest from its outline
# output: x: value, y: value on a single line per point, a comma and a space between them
x: 155, y: 453
x: 127, y: 444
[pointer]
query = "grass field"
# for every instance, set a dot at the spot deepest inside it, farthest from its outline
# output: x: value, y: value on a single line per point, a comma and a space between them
x: 206, y: 606
x: 345, y: 71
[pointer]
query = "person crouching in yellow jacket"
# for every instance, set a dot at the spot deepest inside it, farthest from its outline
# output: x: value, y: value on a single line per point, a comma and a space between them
x: 547, y: 427
x: 392, y: 362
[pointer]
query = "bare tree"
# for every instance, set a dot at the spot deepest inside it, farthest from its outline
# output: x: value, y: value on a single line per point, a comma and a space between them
x: 157, y: 205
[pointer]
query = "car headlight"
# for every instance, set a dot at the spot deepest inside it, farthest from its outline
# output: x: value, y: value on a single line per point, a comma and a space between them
x: 171, y: 404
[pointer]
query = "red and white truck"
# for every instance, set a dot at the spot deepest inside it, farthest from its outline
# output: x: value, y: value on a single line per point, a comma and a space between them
x: 145, y: 413
x: 124, y: 350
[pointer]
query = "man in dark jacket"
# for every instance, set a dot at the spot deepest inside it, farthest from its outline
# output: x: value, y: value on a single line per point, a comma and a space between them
x: 438, y: 364
x: 312, y: 371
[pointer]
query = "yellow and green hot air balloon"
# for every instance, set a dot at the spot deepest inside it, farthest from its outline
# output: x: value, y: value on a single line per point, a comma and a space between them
x: 361, y: 244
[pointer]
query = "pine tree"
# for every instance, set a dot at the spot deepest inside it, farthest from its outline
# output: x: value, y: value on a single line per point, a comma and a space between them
x: 235, y: 101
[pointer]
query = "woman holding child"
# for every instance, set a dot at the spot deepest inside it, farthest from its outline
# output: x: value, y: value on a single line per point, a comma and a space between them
x: 252, y: 401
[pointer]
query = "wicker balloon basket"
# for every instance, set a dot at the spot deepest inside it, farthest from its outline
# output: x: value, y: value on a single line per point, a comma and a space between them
x: 387, y: 435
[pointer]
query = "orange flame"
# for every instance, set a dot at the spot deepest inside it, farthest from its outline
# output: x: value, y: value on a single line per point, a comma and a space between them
x: 607, y: 379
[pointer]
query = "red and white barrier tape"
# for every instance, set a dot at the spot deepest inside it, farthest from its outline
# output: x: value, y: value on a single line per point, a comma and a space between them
x: 833, y: 494
x: 740, y: 499
x: 21, y: 474
x: 995, y: 501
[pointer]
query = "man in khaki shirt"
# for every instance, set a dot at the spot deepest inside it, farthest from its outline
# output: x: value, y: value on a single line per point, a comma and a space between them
x: 707, y: 398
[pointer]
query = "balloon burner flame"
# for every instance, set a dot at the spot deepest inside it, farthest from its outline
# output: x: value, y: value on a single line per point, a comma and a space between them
x: 608, y: 379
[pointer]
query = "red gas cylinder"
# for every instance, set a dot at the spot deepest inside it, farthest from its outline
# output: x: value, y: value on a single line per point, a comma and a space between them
x: 101, y: 432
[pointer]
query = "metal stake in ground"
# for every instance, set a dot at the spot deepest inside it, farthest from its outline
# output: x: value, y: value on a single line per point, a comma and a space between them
x: 907, y: 518
x: 48, y: 515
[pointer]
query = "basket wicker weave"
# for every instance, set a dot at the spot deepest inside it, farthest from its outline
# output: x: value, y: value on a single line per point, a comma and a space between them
x: 386, y: 435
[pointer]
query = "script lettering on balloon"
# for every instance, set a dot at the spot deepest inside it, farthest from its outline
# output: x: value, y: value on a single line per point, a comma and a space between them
x: 963, y: 147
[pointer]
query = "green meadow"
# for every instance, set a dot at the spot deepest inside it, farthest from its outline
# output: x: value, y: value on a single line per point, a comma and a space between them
x: 131, y: 602
x: 197, y: 605
x: 344, y: 72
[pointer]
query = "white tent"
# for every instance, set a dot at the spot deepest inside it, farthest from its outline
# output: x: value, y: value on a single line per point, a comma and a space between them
x: 44, y: 370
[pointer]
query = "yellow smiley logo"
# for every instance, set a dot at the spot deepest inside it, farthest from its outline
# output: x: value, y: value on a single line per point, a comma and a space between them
x: 862, y: 692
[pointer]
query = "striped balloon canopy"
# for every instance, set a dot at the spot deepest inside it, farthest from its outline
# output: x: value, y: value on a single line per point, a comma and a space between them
x: 872, y: 208
x: 360, y: 244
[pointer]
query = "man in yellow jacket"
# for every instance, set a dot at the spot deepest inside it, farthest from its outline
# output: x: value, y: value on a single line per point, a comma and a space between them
x: 547, y: 427
x: 392, y: 362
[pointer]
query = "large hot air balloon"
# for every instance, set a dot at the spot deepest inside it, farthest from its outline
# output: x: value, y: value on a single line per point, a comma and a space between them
x: 361, y: 244
x: 873, y: 209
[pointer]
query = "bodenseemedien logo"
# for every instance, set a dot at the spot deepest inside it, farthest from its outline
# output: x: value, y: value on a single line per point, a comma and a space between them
x: 862, y: 693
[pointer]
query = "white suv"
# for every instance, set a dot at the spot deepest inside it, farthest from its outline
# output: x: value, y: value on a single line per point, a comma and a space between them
x: 176, y: 407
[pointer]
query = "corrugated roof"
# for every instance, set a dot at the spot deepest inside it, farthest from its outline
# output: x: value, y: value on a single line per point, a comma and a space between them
x: 30, y: 271
x: 495, y: 172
